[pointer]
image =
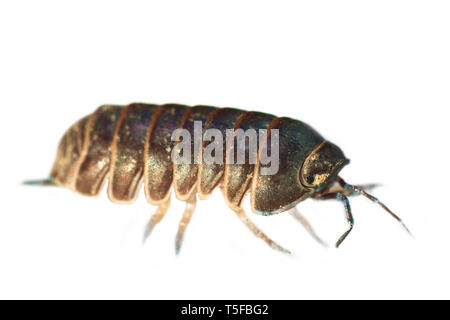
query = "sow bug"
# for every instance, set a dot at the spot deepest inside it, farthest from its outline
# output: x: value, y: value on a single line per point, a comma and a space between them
x: 128, y: 145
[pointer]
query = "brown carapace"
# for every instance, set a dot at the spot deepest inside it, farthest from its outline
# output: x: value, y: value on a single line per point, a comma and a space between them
x: 128, y: 145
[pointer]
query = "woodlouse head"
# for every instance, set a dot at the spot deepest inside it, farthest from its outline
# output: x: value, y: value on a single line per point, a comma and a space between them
x: 321, y: 166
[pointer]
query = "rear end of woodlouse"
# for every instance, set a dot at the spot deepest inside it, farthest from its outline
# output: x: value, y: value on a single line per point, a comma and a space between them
x: 137, y: 144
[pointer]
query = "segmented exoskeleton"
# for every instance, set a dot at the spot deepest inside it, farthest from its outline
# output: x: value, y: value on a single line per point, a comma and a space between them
x: 133, y: 144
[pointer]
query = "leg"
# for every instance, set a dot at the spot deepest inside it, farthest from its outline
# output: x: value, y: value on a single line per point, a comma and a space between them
x: 348, y: 212
x: 257, y: 232
x: 187, y: 215
x: 300, y: 218
x: 156, y: 218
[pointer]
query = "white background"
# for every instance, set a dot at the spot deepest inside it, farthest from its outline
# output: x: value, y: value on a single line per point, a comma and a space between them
x: 371, y: 76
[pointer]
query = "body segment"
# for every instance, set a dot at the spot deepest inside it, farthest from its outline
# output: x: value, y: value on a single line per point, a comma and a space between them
x: 238, y: 177
x: 158, y: 169
x: 94, y: 168
x: 186, y: 174
x: 212, y: 174
x: 127, y: 165
x: 70, y: 154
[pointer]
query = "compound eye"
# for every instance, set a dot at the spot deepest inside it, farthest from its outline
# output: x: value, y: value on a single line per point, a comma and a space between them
x: 316, y: 176
x: 310, y: 180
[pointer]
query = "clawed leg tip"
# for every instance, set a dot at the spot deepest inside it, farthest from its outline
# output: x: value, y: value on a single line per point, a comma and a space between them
x: 178, y: 243
x: 324, y: 244
x: 321, y: 242
x: 147, y: 234
x: 283, y: 250
x: 407, y: 230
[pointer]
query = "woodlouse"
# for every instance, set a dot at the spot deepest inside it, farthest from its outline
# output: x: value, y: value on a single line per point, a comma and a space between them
x: 132, y: 144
